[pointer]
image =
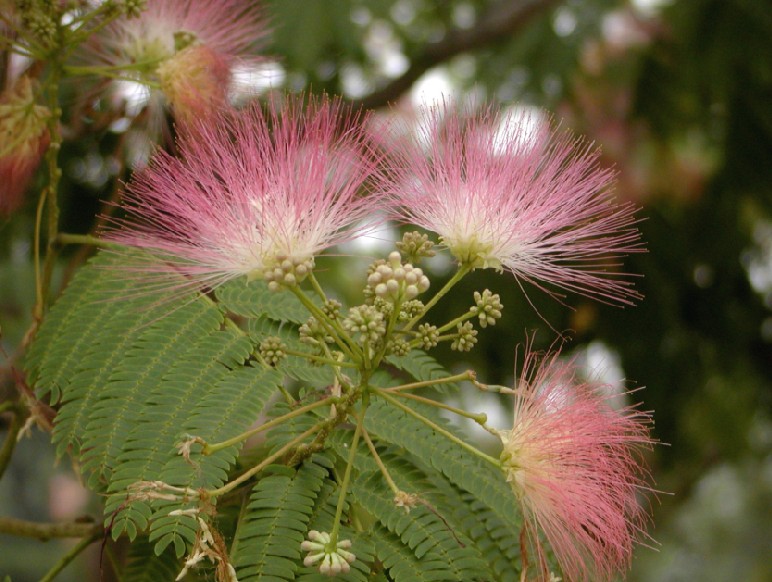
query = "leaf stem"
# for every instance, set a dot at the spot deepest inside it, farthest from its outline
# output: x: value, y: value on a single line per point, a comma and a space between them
x: 378, y: 461
x: 264, y: 463
x: 480, y: 417
x: 437, y: 428
x: 19, y: 415
x: 468, y: 375
x: 69, y: 557
x: 47, y: 531
x: 332, y: 546
x: 321, y: 359
x: 463, y: 270
x: 211, y: 449
x: 341, y: 337
x: 64, y: 238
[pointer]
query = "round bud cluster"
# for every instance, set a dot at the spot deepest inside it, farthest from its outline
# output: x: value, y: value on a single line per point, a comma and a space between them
x: 331, y: 308
x: 394, y: 281
x: 132, y: 8
x: 414, y: 246
x: 428, y: 335
x: 312, y: 332
x: 331, y: 562
x: 411, y: 309
x: 384, y: 306
x: 273, y: 350
x: 487, y: 307
x: 399, y: 347
x: 287, y: 271
x: 467, y: 337
x: 366, y: 321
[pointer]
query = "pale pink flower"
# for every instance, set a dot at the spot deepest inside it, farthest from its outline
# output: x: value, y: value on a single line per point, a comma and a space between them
x: 251, y: 194
x: 514, y: 196
x: 187, y: 47
x: 24, y: 139
x: 574, y: 463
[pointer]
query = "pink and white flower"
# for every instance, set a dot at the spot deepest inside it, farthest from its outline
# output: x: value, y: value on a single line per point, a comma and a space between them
x: 187, y: 47
x: 251, y: 194
x: 24, y: 139
x: 574, y: 463
x: 514, y: 196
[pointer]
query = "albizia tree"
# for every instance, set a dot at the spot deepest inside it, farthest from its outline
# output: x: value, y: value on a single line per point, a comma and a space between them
x: 235, y: 416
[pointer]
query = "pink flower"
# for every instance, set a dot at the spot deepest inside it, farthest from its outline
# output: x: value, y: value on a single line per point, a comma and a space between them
x: 574, y: 463
x: 187, y: 47
x: 252, y: 194
x: 24, y: 139
x: 516, y: 197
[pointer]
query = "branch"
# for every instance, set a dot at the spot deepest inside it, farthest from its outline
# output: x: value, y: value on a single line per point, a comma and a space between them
x: 501, y: 20
x: 47, y: 531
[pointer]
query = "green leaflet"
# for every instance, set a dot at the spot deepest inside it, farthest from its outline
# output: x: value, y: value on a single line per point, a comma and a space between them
x: 144, y: 566
x: 447, y: 554
x: 268, y: 538
x: 254, y: 300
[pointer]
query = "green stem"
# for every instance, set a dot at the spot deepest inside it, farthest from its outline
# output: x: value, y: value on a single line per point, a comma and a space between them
x: 321, y: 360
x: 468, y: 375
x: 19, y: 416
x: 64, y: 238
x: 378, y: 461
x: 69, y: 557
x: 47, y: 531
x: 463, y: 270
x: 453, y: 323
x: 264, y: 463
x: 51, y: 192
x: 343, y: 340
x: 317, y: 287
x: 333, y: 545
x: 211, y: 449
x: 480, y: 417
x: 437, y: 428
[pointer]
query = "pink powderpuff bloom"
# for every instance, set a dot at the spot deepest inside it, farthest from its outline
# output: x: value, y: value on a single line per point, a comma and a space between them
x: 187, y: 47
x: 514, y: 196
x: 24, y: 139
x: 251, y: 194
x: 574, y: 463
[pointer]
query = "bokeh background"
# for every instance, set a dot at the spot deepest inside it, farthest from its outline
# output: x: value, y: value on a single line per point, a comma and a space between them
x: 679, y: 96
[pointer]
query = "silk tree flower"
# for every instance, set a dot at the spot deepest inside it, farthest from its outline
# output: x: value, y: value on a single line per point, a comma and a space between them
x: 574, y: 463
x: 24, y: 139
x: 251, y: 194
x: 514, y: 196
x: 187, y: 48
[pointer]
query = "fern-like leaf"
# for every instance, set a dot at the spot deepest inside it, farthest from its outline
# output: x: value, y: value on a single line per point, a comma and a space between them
x: 434, y: 450
x: 267, y: 544
x: 254, y: 300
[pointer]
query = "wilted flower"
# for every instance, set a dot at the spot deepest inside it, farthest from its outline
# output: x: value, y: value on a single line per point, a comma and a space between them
x: 24, y: 138
x: 514, y: 195
x: 255, y: 194
x: 574, y: 463
x: 187, y: 47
